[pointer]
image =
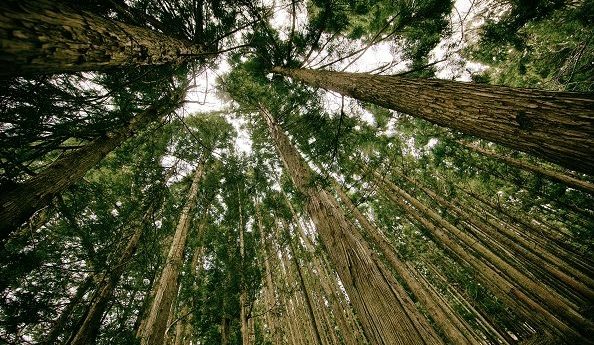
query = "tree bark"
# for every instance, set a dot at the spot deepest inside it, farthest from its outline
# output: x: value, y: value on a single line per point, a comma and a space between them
x: 19, y: 203
x: 42, y: 37
x: 385, y: 320
x: 556, y: 126
x: 558, y: 312
x: 442, y: 314
x: 304, y: 290
x: 153, y: 332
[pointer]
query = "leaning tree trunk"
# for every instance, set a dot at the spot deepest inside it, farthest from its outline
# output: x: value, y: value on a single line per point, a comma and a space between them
x: 384, y: 317
x: 556, y: 126
x: 451, y: 324
x: 20, y: 202
x: 558, y: 312
x: 91, y: 322
x: 155, y: 325
x: 41, y: 37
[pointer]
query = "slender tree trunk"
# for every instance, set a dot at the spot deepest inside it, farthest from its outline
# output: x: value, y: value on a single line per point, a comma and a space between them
x: 304, y: 291
x: 547, y: 173
x: 245, y: 335
x: 442, y: 314
x: 41, y: 37
x: 153, y: 332
x: 385, y: 320
x: 18, y: 204
x: 556, y: 126
x: 58, y: 326
x: 572, y: 322
x: 349, y: 330
x: 89, y: 327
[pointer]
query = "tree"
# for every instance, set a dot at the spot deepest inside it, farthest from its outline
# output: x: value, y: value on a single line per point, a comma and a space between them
x: 556, y: 126
x: 40, y: 37
x: 19, y: 202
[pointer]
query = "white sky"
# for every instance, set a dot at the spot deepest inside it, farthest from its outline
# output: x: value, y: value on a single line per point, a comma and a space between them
x: 464, y: 19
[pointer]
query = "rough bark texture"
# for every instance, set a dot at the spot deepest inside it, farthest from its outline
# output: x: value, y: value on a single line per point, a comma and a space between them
x: 39, y: 37
x: 442, y: 314
x: 556, y: 126
x: 20, y: 202
x: 384, y: 319
x: 153, y: 332
x: 558, y: 313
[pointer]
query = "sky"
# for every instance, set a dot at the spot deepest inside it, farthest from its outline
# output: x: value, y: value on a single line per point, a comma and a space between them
x: 465, y: 19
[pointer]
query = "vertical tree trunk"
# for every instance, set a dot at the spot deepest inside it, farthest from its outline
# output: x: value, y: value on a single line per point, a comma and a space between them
x: 306, y: 294
x: 556, y: 126
x: 19, y: 203
x: 153, y: 332
x: 385, y: 320
x: 41, y: 37
x: 245, y: 333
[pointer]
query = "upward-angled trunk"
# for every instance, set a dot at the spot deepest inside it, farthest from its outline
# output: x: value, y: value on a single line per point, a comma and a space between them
x: 541, y: 300
x: 243, y: 315
x: 153, y: 331
x: 41, y: 37
x: 20, y: 202
x: 304, y: 290
x: 91, y: 321
x: 457, y: 331
x: 556, y: 126
x: 384, y: 318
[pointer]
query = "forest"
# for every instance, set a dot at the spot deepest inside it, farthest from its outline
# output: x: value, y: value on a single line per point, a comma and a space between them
x: 304, y: 172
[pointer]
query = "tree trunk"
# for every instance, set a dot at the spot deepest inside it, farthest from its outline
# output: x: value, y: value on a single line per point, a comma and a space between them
x: 304, y: 290
x: 245, y: 335
x: 91, y: 321
x: 153, y: 332
x: 385, y: 320
x: 559, y: 313
x: 18, y: 204
x: 41, y: 37
x: 556, y: 126
x: 58, y: 326
x: 547, y: 173
x: 442, y: 314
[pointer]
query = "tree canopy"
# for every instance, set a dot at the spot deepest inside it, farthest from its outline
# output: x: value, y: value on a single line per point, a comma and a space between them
x: 297, y: 172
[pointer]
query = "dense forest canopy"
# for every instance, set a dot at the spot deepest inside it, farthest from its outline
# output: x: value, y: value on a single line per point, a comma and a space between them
x: 297, y: 172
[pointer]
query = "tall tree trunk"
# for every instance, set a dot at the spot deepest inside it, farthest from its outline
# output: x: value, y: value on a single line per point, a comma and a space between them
x: 41, y: 37
x: 385, y: 320
x: 457, y: 331
x: 58, y: 326
x: 153, y: 332
x: 349, y: 330
x: 556, y: 310
x: 245, y: 333
x: 556, y: 126
x: 547, y: 173
x: 304, y: 289
x: 91, y: 321
x: 18, y: 204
